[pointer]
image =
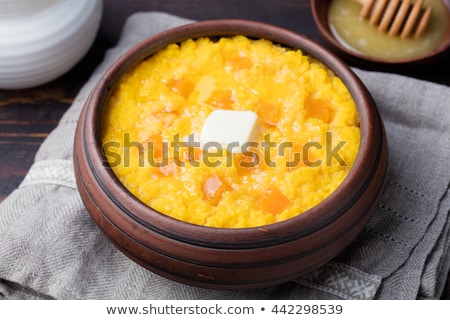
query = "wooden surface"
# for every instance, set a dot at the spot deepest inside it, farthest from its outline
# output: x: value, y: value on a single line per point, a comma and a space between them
x: 27, y: 116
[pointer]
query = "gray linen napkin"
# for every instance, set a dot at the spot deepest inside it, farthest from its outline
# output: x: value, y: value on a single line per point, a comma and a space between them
x: 51, y: 248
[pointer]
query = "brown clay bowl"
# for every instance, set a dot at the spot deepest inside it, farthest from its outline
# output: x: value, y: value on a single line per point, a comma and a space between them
x: 320, y: 14
x: 219, y: 257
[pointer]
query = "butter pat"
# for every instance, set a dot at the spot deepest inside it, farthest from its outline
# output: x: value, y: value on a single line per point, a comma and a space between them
x: 229, y: 129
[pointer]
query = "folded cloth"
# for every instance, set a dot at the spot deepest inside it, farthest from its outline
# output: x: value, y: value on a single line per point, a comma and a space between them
x: 50, y: 248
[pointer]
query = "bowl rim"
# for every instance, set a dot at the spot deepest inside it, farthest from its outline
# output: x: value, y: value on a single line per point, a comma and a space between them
x: 326, y: 33
x: 310, y: 221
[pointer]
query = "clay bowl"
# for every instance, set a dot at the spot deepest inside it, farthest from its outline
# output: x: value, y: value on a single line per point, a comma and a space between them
x: 320, y: 14
x: 219, y: 257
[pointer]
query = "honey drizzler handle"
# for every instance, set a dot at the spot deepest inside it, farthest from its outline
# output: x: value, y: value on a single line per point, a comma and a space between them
x: 402, y: 18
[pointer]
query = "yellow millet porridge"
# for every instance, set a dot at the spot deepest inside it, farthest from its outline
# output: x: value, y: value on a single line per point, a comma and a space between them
x: 306, y: 141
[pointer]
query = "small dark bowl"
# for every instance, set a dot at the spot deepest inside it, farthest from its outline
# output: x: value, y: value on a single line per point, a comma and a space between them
x: 219, y: 257
x: 320, y: 14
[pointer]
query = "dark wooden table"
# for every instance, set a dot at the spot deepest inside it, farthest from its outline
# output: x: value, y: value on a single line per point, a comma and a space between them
x: 27, y: 116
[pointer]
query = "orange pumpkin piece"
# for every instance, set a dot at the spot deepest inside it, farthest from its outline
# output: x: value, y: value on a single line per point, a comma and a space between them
x: 268, y: 113
x: 317, y: 108
x: 221, y: 99
x: 192, y: 154
x: 181, y: 86
x: 155, y: 145
x: 240, y: 63
x: 295, y: 158
x: 170, y: 169
x: 213, y: 188
x: 273, y: 200
x: 247, y: 162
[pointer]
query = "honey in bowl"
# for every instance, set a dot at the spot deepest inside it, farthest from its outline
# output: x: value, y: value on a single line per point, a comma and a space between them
x: 359, y: 35
x: 299, y: 122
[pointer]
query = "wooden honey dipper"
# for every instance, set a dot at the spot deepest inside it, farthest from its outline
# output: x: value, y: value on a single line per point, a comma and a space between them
x: 396, y: 17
